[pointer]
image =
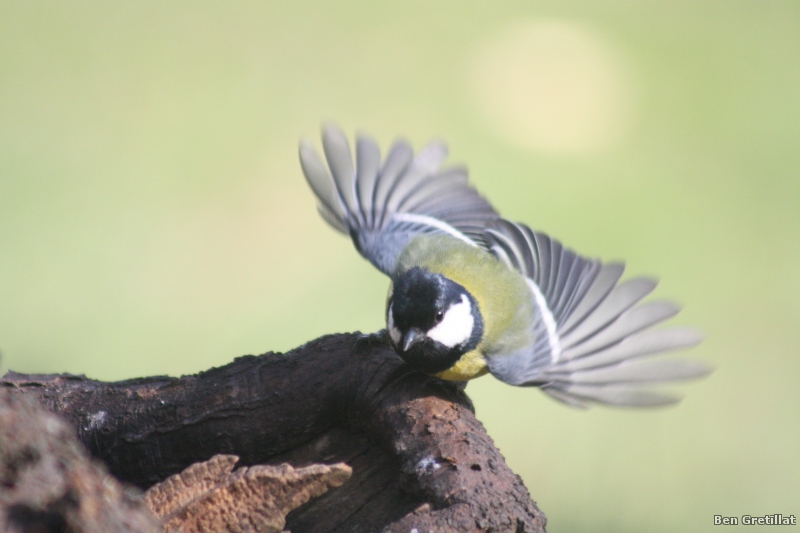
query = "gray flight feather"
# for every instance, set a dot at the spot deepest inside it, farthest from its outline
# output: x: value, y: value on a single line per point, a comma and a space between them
x: 620, y: 299
x: 627, y: 323
x: 423, y: 167
x: 562, y: 276
x: 645, y: 343
x: 383, y: 206
x: 321, y: 182
x: 337, y: 152
x: 644, y: 371
x: 572, y: 401
x: 368, y: 161
x: 400, y: 156
x: 331, y: 219
x: 619, y: 396
x: 591, y: 339
x: 605, y: 280
x: 433, y: 187
x: 599, y: 332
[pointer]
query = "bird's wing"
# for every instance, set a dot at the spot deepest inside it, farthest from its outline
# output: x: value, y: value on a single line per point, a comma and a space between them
x: 381, y: 205
x: 593, y: 337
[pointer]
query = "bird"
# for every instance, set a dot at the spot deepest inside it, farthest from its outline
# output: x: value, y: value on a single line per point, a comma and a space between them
x: 472, y: 293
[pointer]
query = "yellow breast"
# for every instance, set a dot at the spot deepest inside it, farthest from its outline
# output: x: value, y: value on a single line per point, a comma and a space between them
x: 471, y: 365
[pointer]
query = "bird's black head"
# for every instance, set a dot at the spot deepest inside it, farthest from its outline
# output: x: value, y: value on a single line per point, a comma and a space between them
x: 432, y: 320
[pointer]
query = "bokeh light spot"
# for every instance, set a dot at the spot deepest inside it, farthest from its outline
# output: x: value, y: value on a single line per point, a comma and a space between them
x: 555, y: 86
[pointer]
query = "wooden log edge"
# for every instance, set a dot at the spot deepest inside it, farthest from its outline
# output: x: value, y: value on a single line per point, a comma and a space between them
x: 420, y: 458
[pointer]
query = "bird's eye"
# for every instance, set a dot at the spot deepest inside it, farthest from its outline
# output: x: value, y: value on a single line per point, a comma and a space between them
x: 439, y: 315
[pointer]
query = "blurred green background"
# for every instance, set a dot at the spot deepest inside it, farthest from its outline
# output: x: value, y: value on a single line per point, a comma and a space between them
x: 154, y: 218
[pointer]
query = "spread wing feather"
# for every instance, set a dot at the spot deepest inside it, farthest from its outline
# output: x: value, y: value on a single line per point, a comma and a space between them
x: 322, y: 185
x: 615, y: 395
x: 368, y: 162
x: 600, y: 332
x: 382, y: 206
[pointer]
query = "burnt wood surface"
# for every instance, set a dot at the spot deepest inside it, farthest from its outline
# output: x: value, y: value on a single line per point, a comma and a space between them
x: 420, y: 458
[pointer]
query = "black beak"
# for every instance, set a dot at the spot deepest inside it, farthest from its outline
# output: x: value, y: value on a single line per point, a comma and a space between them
x: 413, y: 337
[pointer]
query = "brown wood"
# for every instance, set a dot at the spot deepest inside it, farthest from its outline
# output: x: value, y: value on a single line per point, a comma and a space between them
x: 212, y: 497
x: 48, y: 483
x: 420, y: 458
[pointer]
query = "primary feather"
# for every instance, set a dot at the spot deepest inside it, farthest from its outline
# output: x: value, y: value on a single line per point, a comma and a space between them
x: 598, y: 326
x: 591, y: 335
x: 381, y: 207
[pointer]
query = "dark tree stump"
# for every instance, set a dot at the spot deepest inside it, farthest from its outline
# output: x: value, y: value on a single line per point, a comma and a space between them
x: 420, y: 458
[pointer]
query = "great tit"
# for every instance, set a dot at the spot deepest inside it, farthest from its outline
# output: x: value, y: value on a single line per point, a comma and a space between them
x: 472, y: 293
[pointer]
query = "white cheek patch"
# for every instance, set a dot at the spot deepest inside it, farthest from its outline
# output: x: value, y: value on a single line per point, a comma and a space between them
x: 456, y: 326
x: 394, y: 333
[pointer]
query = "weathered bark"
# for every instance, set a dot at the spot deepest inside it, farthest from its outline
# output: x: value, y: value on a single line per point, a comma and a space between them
x: 420, y: 458
x: 49, y: 483
x: 210, y: 496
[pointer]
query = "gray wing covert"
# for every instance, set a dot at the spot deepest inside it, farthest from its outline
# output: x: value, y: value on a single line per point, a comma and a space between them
x: 598, y: 333
x: 382, y: 205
